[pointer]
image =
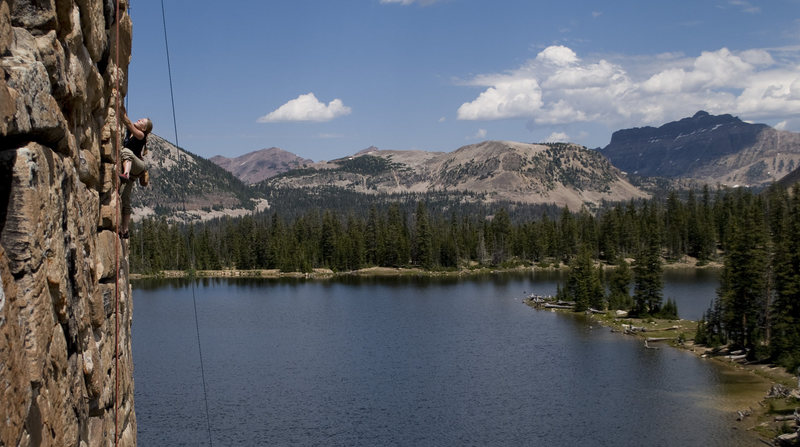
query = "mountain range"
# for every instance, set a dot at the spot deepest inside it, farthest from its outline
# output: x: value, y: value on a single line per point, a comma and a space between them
x: 260, y: 165
x: 707, y: 148
x: 186, y: 186
x: 565, y: 174
x: 704, y: 148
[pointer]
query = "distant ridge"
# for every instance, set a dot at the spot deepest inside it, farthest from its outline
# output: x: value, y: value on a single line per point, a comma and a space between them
x: 708, y: 148
x: 179, y: 178
x: 790, y: 179
x: 562, y: 174
x: 256, y: 166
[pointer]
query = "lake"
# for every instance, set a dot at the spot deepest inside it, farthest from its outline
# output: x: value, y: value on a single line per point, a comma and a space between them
x: 416, y: 362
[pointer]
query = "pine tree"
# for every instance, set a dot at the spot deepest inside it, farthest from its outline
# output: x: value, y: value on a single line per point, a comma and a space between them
x: 395, y: 239
x: 785, y: 323
x: 372, y: 237
x: 583, y: 283
x: 647, y: 275
x: 355, y: 247
x: 619, y: 281
x: 743, y: 285
x: 501, y: 233
x: 609, y: 243
x: 568, y: 239
x: 422, y: 254
x: 700, y: 234
x: 675, y: 227
x: 329, y: 240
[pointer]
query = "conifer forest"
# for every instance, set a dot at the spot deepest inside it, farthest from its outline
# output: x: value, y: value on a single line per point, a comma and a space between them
x: 754, y: 235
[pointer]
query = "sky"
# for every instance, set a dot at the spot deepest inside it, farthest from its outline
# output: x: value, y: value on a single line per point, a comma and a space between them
x: 325, y: 79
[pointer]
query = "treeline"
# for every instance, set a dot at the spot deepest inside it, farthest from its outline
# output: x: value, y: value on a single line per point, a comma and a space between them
x: 756, y: 235
x: 292, y: 203
x: 420, y: 235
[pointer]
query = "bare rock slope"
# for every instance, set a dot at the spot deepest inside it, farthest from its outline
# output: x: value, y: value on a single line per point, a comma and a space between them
x: 563, y: 174
x: 707, y: 148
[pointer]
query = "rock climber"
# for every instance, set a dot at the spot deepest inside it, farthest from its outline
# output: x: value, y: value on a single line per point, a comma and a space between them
x: 133, y: 167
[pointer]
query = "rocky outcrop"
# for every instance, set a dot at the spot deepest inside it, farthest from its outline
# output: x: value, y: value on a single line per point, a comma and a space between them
x: 60, y: 374
x: 708, y: 148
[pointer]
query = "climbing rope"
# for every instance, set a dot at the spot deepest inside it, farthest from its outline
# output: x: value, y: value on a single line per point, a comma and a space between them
x: 189, y: 248
x: 116, y: 228
x: 116, y: 225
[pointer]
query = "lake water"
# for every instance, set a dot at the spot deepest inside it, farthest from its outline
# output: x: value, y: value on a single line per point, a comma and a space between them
x: 414, y: 362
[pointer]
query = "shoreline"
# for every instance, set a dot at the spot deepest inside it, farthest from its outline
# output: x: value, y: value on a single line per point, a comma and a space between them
x: 754, y: 411
x: 324, y: 273
x: 757, y: 416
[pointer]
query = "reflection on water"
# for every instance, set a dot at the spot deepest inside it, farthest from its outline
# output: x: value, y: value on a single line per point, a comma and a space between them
x: 407, y: 361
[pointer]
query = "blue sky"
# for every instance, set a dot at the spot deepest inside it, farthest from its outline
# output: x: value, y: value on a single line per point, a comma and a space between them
x: 327, y: 78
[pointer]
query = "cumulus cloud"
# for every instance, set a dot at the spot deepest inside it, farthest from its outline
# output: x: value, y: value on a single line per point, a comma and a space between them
x: 558, y: 55
x: 558, y: 87
x: 745, y: 6
x: 306, y: 108
x: 557, y: 137
x: 479, y: 135
x: 506, y: 99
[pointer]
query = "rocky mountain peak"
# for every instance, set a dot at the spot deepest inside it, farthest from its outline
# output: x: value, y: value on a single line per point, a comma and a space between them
x: 708, y: 148
x: 367, y: 150
x: 256, y: 166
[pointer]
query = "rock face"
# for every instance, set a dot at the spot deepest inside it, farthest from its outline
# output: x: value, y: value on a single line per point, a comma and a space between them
x: 61, y: 372
x: 712, y: 149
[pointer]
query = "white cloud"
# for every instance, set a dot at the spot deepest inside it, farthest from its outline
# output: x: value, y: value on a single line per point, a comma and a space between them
x: 557, y: 137
x: 745, y: 6
x: 306, y: 108
x: 600, y: 74
x: 479, y: 135
x: 757, y: 57
x: 506, y: 99
x: 557, y: 87
x: 557, y: 55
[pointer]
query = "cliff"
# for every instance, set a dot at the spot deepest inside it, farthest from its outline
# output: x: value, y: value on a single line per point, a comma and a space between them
x: 708, y: 148
x: 58, y: 241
